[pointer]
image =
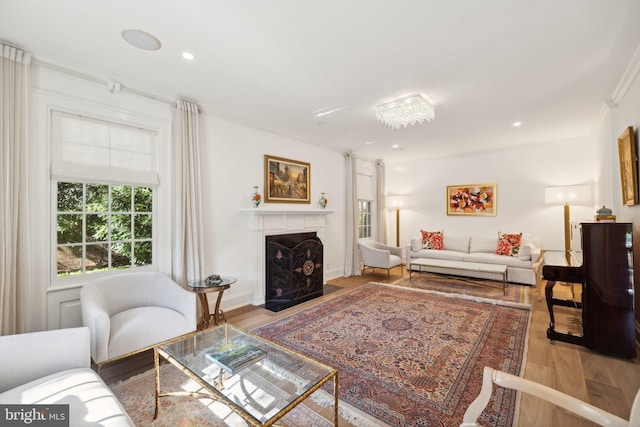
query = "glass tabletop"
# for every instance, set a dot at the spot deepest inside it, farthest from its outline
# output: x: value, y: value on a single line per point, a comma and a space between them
x: 224, y: 280
x: 272, y: 378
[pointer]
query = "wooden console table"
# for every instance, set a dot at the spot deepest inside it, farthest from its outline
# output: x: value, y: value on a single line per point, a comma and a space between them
x: 202, y: 288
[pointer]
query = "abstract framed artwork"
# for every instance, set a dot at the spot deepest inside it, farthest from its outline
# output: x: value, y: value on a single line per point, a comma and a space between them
x: 472, y: 199
x: 286, y: 181
x: 628, y: 167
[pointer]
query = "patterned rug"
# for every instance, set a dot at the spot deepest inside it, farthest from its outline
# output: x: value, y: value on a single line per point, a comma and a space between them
x: 137, y: 397
x: 482, y: 288
x: 410, y: 357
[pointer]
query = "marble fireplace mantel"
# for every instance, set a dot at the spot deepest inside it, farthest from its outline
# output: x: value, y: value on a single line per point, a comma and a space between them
x: 270, y: 221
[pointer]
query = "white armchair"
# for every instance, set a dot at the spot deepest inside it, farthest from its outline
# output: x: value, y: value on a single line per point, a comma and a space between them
x: 570, y: 403
x: 377, y: 255
x: 128, y: 313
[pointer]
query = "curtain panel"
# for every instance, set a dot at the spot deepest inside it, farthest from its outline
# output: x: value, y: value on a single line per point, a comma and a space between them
x: 14, y: 210
x: 188, y: 254
x: 352, y: 261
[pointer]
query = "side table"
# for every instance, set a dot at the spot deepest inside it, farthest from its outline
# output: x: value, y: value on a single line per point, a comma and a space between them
x: 202, y: 288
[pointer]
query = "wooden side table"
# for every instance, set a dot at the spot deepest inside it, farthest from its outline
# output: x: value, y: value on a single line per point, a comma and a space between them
x: 202, y: 288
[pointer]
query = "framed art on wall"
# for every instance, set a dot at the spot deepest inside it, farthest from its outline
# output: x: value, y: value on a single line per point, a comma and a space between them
x: 628, y: 167
x: 471, y: 199
x: 286, y: 181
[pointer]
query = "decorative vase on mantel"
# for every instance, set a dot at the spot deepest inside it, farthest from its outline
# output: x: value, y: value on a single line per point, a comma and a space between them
x: 256, y: 198
x: 323, y: 201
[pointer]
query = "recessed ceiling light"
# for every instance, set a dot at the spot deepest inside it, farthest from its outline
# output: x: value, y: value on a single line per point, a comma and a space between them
x: 395, y: 146
x: 517, y: 124
x: 188, y: 56
x: 141, y: 39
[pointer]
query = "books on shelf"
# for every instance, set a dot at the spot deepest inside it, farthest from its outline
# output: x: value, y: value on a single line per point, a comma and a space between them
x: 234, y: 356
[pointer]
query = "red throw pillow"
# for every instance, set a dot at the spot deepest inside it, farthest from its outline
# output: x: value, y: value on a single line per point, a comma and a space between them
x: 432, y: 240
x: 509, y: 244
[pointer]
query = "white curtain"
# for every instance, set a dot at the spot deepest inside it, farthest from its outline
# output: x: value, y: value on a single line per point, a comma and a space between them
x: 14, y: 214
x: 381, y: 214
x: 352, y: 261
x: 188, y: 254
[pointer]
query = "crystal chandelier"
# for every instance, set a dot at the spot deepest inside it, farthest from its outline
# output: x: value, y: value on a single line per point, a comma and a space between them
x: 408, y: 110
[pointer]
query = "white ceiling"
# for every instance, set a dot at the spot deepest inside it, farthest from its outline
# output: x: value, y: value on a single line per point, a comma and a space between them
x: 276, y: 63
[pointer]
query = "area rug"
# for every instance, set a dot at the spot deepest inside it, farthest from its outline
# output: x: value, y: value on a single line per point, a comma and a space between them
x: 137, y: 397
x: 481, y: 288
x: 410, y: 357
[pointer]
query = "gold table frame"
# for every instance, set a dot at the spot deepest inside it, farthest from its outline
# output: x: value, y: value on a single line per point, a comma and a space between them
x: 214, y: 394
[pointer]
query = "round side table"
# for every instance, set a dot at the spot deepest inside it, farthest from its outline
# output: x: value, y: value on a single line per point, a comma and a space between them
x: 202, y: 288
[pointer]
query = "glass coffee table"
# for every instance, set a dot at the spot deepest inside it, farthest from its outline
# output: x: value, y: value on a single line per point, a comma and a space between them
x: 262, y: 392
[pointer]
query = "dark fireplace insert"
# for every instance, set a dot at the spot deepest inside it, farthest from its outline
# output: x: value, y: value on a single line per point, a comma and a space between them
x: 293, y: 269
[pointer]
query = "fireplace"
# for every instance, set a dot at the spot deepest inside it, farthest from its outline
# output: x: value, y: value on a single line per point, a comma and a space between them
x: 293, y: 267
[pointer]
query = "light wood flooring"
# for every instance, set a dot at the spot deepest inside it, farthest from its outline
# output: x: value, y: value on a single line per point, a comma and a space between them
x: 606, y: 382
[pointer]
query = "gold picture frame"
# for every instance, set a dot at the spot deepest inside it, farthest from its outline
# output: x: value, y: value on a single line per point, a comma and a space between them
x: 286, y: 180
x: 628, y: 167
x: 472, y: 199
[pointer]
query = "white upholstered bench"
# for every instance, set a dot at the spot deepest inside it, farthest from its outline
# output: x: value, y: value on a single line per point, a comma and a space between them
x: 443, y: 266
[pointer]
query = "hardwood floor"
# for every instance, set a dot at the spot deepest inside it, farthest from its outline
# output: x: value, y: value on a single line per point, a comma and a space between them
x: 605, y: 382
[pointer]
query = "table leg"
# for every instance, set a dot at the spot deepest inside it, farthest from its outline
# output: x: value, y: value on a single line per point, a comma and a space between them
x: 218, y: 316
x: 156, y: 362
x: 203, y: 323
x: 335, y: 400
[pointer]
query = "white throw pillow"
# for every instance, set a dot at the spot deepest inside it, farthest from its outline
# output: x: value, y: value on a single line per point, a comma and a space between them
x: 524, y: 254
x: 416, y: 245
x: 484, y: 244
x: 456, y: 243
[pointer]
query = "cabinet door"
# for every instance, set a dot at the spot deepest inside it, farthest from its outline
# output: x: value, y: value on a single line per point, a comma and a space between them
x: 608, y: 304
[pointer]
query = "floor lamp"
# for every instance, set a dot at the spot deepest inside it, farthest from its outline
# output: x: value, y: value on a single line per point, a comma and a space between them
x: 567, y: 195
x: 396, y: 202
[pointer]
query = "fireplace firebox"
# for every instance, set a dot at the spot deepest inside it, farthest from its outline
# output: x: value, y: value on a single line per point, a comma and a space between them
x: 293, y: 269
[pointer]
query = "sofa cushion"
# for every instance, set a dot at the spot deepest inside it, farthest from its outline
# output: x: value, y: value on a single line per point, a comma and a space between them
x: 524, y: 254
x: 141, y: 327
x: 416, y: 244
x: 90, y: 401
x: 486, y: 258
x: 508, y: 243
x: 439, y: 254
x: 432, y: 239
x: 486, y: 244
x: 456, y: 243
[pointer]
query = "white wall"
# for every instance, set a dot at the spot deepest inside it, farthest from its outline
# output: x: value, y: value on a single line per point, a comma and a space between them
x: 232, y: 163
x: 520, y: 173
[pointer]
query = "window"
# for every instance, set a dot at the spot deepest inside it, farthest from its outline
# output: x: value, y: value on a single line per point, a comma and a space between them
x: 364, y: 219
x: 102, y: 227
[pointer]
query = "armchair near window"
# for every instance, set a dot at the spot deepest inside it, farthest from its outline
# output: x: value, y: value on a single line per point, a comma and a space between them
x: 377, y: 255
x: 131, y: 312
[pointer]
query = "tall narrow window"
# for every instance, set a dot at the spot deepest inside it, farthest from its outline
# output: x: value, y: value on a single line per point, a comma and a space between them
x: 365, y: 220
x: 102, y: 227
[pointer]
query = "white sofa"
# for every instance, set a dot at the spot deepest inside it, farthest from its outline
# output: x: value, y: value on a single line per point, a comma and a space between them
x: 131, y: 312
x: 481, y: 249
x: 53, y: 367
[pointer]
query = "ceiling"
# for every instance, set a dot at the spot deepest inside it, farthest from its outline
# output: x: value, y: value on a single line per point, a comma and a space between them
x: 276, y: 64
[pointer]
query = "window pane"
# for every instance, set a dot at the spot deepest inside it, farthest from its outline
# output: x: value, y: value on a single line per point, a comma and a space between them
x: 97, y: 257
x: 69, y: 260
x: 97, y: 228
x: 120, y: 227
x: 142, y: 227
x: 143, y: 199
x: 121, y: 255
x: 97, y: 198
x: 142, y: 252
x: 69, y: 228
x: 69, y: 197
x: 120, y: 198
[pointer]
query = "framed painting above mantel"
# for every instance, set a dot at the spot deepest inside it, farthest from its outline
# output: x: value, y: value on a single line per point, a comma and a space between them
x: 472, y: 199
x: 286, y: 181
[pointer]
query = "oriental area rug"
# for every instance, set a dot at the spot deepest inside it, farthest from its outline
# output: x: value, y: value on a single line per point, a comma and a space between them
x: 480, y: 288
x: 410, y: 357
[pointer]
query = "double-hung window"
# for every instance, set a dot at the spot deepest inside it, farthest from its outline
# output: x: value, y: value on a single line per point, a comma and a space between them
x: 365, y: 219
x: 104, y: 177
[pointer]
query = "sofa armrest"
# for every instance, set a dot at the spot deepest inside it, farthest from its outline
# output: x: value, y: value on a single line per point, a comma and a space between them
x: 29, y: 356
x: 96, y: 316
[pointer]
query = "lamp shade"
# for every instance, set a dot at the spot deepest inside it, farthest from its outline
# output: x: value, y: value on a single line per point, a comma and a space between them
x: 572, y: 194
x: 396, y: 202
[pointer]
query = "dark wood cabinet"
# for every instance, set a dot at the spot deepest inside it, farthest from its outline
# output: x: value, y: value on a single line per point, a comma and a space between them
x: 606, y: 275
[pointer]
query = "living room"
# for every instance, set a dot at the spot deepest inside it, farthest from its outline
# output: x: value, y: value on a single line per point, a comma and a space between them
x: 232, y: 150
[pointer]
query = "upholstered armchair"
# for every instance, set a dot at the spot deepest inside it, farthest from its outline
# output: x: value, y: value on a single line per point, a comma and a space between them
x: 377, y: 255
x: 130, y: 312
